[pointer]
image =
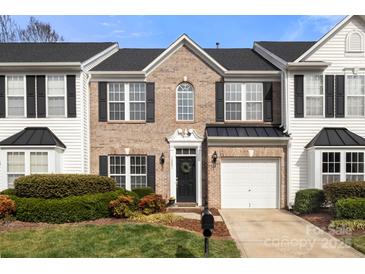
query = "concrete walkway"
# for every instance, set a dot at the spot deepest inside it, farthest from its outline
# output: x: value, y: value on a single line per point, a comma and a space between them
x: 276, y: 233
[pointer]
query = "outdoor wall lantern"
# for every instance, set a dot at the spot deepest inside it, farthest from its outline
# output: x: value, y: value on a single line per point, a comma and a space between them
x: 162, y: 159
x: 214, y: 157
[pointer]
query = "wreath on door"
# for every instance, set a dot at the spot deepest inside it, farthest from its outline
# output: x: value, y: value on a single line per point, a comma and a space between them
x: 185, y: 167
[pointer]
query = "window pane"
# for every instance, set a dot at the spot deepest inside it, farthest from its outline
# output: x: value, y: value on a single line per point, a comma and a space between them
x: 327, y: 179
x: 185, y: 102
x: 314, y: 106
x: 38, y: 162
x: 11, y: 179
x: 56, y: 106
x: 355, y: 105
x: 254, y: 111
x: 15, y: 85
x: 331, y: 167
x: 15, y: 162
x: 116, y: 165
x: 116, y: 111
x: 116, y: 92
x: 233, y: 92
x: 354, y: 166
x: 119, y: 181
x: 56, y: 85
x: 313, y: 84
x: 137, y: 91
x: 16, y: 106
x: 138, y: 167
x: 233, y: 111
x: 137, y: 111
x: 138, y: 181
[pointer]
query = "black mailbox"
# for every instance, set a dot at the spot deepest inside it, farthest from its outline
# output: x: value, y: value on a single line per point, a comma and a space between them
x: 207, y: 222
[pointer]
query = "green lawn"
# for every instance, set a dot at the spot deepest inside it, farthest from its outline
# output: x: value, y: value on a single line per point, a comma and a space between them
x: 120, y: 240
x: 358, y: 242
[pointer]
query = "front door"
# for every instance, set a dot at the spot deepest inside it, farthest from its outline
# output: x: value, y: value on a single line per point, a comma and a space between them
x: 185, y: 179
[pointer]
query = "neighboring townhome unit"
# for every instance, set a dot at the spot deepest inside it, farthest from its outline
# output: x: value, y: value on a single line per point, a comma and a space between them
x: 324, y: 83
x: 44, y: 112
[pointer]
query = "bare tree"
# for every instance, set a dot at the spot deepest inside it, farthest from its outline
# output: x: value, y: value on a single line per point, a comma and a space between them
x: 9, y: 30
x: 37, y: 31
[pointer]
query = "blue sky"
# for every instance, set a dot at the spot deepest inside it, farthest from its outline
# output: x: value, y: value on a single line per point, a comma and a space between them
x: 160, y: 31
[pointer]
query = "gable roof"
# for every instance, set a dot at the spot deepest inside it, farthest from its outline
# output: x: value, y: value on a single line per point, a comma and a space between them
x: 33, y: 136
x: 288, y: 51
x: 244, y: 131
x: 50, y: 52
x: 130, y: 59
x: 336, y: 137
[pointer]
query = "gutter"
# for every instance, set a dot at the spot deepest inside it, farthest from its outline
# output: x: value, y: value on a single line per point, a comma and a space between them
x: 40, y: 64
x: 226, y: 138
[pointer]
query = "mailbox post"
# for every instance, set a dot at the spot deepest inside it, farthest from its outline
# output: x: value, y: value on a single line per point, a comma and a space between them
x: 207, y: 222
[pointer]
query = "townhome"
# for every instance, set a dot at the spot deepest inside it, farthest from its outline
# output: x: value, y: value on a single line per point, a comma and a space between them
x: 234, y: 128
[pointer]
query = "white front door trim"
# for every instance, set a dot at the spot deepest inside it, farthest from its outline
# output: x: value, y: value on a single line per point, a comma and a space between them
x: 187, y: 138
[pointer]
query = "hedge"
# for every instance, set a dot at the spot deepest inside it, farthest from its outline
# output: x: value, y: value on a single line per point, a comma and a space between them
x: 143, y: 191
x: 65, y: 210
x: 341, y: 190
x: 308, y: 201
x: 62, y: 185
x: 350, y: 208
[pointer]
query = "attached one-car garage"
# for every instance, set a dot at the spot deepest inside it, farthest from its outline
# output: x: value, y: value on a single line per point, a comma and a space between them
x: 249, y: 183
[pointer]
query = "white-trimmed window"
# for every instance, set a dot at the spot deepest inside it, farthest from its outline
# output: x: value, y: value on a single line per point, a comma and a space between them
x: 129, y: 172
x: 314, y: 95
x: 38, y: 162
x: 355, y: 95
x: 243, y: 101
x: 127, y: 101
x: 15, y: 96
x: 185, y: 102
x: 56, y: 93
x: 354, y: 42
x: 331, y: 167
x: 354, y: 166
x: 15, y: 166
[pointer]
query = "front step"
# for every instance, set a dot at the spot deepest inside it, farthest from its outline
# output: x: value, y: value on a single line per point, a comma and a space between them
x: 190, y: 209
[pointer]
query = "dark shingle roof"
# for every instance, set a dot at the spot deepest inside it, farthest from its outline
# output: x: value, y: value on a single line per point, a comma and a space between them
x: 138, y: 59
x: 33, y: 136
x: 50, y: 52
x: 336, y: 137
x: 244, y: 131
x: 288, y: 51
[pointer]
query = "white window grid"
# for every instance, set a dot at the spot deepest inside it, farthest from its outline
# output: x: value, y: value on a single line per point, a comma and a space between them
x: 243, y: 101
x: 354, y: 166
x: 58, y: 95
x: 15, y: 166
x: 18, y: 95
x: 185, y: 102
x: 355, y: 95
x: 126, y: 101
x: 130, y: 172
x: 185, y: 151
x: 38, y: 162
x: 331, y: 167
x: 314, y: 94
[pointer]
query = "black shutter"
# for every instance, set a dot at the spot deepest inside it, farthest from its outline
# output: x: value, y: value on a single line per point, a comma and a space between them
x: 267, y: 101
x: 151, y: 172
x: 340, y: 96
x: 30, y: 84
x: 103, y: 104
x: 219, y: 102
x: 71, y: 96
x: 2, y: 97
x: 298, y: 96
x: 150, y: 102
x: 330, y: 98
x: 103, y: 165
x: 41, y: 96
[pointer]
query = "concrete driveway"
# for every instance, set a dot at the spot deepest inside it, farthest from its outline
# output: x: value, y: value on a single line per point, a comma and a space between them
x: 276, y: 233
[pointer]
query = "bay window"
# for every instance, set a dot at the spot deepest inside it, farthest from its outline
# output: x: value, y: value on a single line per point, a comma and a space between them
x: 56, y: 92
x: 331, y: 164
x: 354, y: 166
x: 129, y: 172
x: 127, y: 101
x: 15, y: 96
x: 314, y: 95
x: 243, y: 101
x: 15, y: 166
x: 355, y: 95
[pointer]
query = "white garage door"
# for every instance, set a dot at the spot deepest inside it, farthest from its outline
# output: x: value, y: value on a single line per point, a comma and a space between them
x: 249, y: 183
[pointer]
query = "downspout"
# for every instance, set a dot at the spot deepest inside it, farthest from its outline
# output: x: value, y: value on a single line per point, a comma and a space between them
x: 88, y: 119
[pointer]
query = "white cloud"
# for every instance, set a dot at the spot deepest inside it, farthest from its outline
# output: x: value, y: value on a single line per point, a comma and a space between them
x: 317, y: 24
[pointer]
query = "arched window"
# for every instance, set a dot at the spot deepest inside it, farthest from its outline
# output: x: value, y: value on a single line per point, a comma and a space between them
x: 354, y: 42
x: 185, y: 102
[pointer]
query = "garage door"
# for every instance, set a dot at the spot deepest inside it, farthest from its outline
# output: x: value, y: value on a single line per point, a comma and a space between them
x: 249, y: 183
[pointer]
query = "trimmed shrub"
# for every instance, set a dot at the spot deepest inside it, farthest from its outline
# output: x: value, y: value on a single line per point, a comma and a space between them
x: 308, y: 201
x: 65, y: 210
x: 143, y: 191
x: 9, y: 191
x: 152, y: 203
x: 341, y: 190
x: 158, y: 218
x: 122, y: 207
x: 7, y: 206
x: 349, y: 225
x: 350, y: 208
x: 62, y: 185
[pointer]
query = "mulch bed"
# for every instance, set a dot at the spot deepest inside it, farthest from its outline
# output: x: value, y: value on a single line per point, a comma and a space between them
x: 321, y: 219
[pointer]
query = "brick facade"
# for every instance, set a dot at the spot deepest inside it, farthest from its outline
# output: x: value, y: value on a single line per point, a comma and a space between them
x: 150, y: 138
